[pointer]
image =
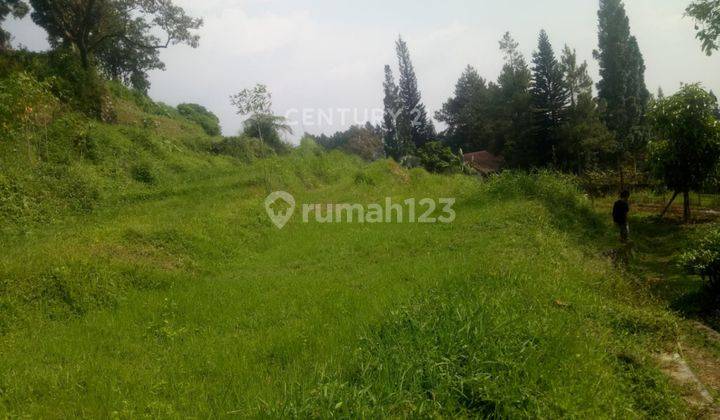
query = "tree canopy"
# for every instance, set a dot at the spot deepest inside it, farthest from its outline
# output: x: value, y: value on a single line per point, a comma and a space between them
x: 14, y: 8
x: 622, y: 72
x: 687, y: 151
x: 123, y: 36
x: 707, y: 23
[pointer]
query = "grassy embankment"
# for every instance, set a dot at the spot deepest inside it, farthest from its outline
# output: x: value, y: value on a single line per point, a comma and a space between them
x: 167, y: 292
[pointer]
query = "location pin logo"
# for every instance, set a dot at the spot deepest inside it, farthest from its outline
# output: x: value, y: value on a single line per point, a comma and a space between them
x: 280, y: 207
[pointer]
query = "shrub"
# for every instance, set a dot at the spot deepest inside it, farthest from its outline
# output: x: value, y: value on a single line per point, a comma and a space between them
x: 201, y: 116
x: 243, y: 148
x: 143, y: 172
x: 704, y: 259
x: 25, y: 103
x: 436, y: 157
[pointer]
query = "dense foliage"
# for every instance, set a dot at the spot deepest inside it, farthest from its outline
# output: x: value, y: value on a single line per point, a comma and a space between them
x: 703, y: 258
x: 364, y: 141
x: 707, y: 17
x: 200, y: 115
x: 123, y: 36
x: 686, y: 154
x: 14, y: 8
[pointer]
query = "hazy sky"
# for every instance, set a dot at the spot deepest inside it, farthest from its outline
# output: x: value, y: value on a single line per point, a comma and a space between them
x: 322, y: 55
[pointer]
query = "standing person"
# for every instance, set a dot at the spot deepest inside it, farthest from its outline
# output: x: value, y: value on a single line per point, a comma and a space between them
x: 620, y: 215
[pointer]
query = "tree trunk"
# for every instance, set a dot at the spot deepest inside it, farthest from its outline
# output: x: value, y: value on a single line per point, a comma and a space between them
x: 84, y: 57
x: 672, y: 200
x: 686, y: 206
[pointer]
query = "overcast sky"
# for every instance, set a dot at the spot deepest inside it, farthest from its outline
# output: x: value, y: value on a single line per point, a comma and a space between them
x: 329, y: 54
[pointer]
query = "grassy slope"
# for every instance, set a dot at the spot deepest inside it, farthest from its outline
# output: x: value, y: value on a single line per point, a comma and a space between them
x: 180, y: 298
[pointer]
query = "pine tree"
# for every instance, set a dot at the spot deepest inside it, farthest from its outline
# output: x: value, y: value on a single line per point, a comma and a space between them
x: 660, y: 93
x: 577, y: 80
x: 549, y: 101
x: 583, y: 139
x: 413, y: 119
x: 622, y: 73
x: 466, y: 113
x: 393, y: 146
x: 512, y: 106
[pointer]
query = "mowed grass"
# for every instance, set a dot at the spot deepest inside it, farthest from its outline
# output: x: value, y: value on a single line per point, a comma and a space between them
x: 188, y: 302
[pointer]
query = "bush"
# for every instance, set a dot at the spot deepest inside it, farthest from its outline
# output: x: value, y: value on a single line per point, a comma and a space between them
x: 243, y: 148
x: 143, y: 172
x: 704, y: 259
x: 201, y: 116
x: 438, y: 158
x: 25, y: 103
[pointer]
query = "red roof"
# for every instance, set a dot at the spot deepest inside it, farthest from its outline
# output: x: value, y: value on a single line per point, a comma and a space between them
x: 484, y: 162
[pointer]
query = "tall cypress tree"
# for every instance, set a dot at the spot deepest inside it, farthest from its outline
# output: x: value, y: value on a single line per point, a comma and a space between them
x: 549, y: 100
x: 414, y: 119
x: 393, y: 146
x: 622, y: 73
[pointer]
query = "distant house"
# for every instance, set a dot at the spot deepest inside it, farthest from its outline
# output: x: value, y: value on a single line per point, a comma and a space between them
x: 484, y: 162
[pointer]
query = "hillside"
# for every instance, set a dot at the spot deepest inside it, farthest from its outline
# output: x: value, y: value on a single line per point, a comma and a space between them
x: 55, y: 159
x: 173, y: 295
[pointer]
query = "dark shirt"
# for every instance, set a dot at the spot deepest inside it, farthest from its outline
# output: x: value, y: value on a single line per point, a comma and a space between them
x: 620, y: 212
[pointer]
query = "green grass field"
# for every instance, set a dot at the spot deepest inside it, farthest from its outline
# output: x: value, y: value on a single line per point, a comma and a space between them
x: 141, y: 277
x: 188, y: 302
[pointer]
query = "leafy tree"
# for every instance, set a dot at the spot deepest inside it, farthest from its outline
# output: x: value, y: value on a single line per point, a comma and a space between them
x: 394, y: 146
x: 622, y: 86
x: 125, y: 62
x: 703, y: 259
x: 436, y: 157
x: 466, y: 113
x: 413, y: 121
x: 261, y: 124
x: 364, y: 141
x: 688, y: 150
x: 123, y: 35
x: 549, y: 101
x: 201, y: 116
x: 269, y: 129
x: 707, y: 22
x: 15, y: 8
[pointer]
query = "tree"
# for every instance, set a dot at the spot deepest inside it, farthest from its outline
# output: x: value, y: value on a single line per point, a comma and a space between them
x: 125, y: 62
x: 15, y: 8
x: 687, y: 151
x: 394, y: 146
x: 577, y: 80
x: 413, y: 119
x: 257, y: 104
x: 123, y: 35
x: 511, y: 99
x: 467, y: 114
x: 549, y: 101
x: 583, y: 140
x: 200, y: 115
x: 707, y: 23
x: 622, y: 86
